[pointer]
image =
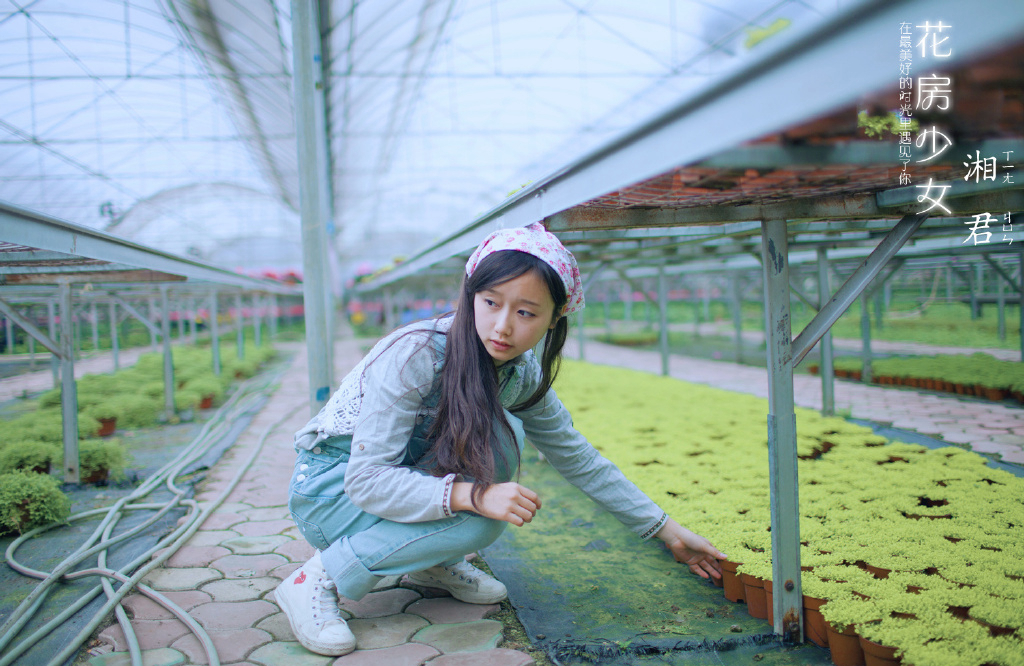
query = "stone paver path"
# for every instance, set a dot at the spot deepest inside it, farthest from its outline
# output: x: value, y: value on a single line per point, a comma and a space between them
x: 988, y: 427
x: 225, y: 576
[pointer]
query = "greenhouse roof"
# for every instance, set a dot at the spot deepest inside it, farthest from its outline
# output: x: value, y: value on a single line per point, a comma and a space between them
x: 170, y: 122
x: 798, y: 155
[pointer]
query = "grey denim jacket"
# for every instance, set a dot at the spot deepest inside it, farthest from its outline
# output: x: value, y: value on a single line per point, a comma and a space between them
x: 398, y: 389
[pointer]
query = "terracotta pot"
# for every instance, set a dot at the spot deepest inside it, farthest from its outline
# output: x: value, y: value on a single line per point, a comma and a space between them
x: 733, y: 586
x: 813, y: 369
x: 994, y: 394
x: 845, y: 646
x: 96, y: 477
x: 855, y: 375
x: 107, y: 427
x: 876, y: 654
x: 814, y: 623
x: 959, y: 388
x: 769, y: 601
x: 206, y: 402
x: 753, y: 592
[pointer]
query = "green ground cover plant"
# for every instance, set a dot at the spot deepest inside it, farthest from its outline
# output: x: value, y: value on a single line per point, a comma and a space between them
x: 930, y: 537
x: 29, y: 500
x: 32, y: 441
x: 975, y: 370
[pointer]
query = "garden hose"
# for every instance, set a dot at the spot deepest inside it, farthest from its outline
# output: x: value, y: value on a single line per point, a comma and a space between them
x: 248, y: 394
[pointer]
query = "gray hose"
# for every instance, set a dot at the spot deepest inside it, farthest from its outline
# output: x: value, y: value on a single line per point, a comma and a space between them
x: 101, y: 540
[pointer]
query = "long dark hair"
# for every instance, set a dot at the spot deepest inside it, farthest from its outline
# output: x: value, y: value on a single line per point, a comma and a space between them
x: 469, y: 408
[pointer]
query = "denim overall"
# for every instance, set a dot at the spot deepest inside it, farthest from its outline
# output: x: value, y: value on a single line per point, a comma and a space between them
x: 359, y: 548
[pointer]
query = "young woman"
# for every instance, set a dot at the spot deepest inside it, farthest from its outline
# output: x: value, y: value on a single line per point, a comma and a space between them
x: 410, y: 465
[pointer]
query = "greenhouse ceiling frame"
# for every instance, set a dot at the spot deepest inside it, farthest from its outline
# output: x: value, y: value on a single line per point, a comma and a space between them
x: 670, y: 140
x: 40, y: 250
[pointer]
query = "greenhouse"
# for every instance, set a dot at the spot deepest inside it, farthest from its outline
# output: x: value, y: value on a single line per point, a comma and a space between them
x: 510, y: 333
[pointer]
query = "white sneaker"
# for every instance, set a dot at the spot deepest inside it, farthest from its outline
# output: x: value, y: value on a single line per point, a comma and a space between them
x: 464, y: 581
x: 309, y: 599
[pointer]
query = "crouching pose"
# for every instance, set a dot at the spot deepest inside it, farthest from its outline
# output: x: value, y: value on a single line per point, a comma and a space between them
x: 411, y: 464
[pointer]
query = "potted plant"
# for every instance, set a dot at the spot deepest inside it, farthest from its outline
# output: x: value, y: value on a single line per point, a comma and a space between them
x: 101, y: 461
x: 29, y: 456
x: 29, y: 500
x: 209, y: 389
x: 106, y: 413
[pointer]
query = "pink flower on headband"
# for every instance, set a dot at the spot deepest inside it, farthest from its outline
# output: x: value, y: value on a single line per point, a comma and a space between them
x: 538, y: 241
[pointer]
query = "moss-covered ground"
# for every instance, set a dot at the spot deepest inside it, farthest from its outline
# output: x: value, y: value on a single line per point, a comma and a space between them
x: 587, y: 590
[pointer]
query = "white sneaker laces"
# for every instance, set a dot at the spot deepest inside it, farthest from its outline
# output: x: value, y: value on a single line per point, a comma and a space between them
x: 465, y: 571
x: 327, y: 602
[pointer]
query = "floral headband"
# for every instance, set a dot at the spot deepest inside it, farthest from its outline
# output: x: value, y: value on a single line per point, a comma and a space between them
x: 536, y: 240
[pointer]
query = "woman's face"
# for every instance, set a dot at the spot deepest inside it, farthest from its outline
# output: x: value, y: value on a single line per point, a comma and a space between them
x: 512, y: 317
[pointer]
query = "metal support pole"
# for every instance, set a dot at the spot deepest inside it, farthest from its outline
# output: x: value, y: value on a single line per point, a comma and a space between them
x: 77, y: 334
x: 697, y: 317
x: 31, y: 353
x: 782, y: 460
x: 165, y: 328
x: 215, y: 333
x: 51, y: 316
x: 627, y: 303
x: 95, y: 326
x: 68, y: 387
x: 663, y: 319
x: 114, y: 347
x: 273, y: 316
x: 240, y: 327
x: 879, y: 309
x: 389, y: 317
x: 707, y: 300
x: 9, y: 329
x: 855, y: 284
x: 827, y: 369
x: 152, y: 330
x: 257, y: 324
x: 314, y: 194
x: 1002, y: 272
x: 179, y: 307
x: 193, y: 315
x: 1001, y: 312
x: 972, y: 284
x: 737, y: 313
x: 865, y: 337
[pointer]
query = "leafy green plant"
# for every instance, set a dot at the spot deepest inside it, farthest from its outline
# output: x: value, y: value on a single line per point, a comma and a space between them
x: 206, y: 385
x: 879, y: 126
x: 28, y: 456
x: 96, y: 455
x: 186, y: 399
x: 917, y: 531
x: 29, y: 500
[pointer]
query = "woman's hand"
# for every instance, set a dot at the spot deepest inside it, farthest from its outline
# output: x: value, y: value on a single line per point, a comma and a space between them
x: 691, y: 549
x: 510, y: 502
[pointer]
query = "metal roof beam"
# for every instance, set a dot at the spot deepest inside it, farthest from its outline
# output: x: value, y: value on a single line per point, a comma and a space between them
x: 30, y: 328
x: 855, y: 285
x: 46, y: 233
x: 679, y: 137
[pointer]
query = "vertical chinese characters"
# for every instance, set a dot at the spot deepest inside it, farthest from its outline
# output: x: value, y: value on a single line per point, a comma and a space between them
x: 934, y: 93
